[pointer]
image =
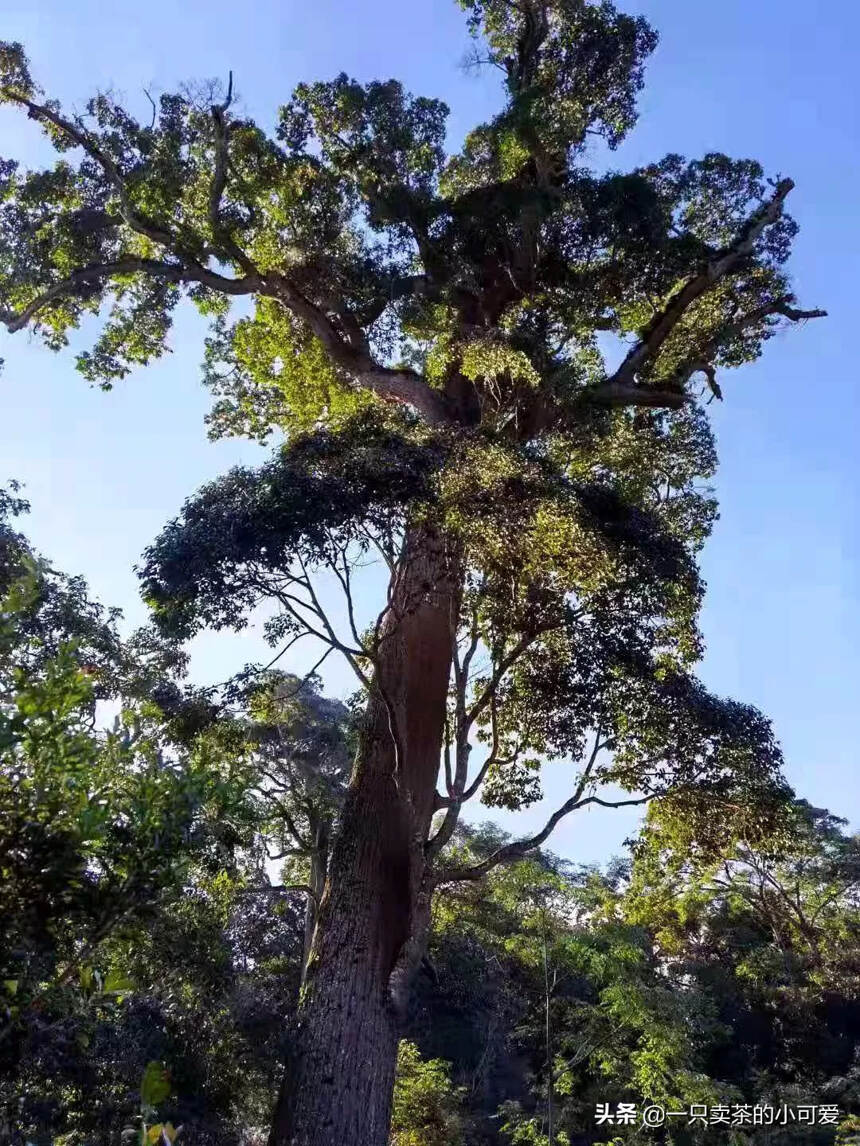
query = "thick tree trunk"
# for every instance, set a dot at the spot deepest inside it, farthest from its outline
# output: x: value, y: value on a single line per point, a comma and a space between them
x: 369, y: 933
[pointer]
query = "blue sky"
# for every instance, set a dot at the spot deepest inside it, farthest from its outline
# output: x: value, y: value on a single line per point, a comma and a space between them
x: 773, y: 80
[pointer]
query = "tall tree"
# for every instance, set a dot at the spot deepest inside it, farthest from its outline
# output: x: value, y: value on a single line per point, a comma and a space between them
x: 486, y: 365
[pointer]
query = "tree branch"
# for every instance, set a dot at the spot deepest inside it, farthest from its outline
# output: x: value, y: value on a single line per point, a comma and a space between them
x: 703, y: 359
x: 519, y: 848
x: 405, y: 386
x: 616, y: 393
x: 506, y: 662
x: 304, y: 888
x: 45, y: 114
x: 126, y: 265
x: 278, y: 888
x: 220, y: 231
x: 622, y: 388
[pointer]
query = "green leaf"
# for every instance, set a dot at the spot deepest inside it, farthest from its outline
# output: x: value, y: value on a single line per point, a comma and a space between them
x: 155, y: 1084
x: 117, y: 984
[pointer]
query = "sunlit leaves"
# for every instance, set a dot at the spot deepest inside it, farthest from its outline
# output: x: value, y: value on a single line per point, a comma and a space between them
x: 14, y: 70
x: 570, y: 67
x: 135, y: 333
x: 427, y: 1105
x: 489, y: 361
x: 266, y: 371
x: 376, y: 137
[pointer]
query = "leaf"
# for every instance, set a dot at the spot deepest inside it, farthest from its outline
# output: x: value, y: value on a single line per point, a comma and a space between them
x: 10, y: 986
x: 117, y: 984
x: 163, y: 1130
x: 155, y: 1084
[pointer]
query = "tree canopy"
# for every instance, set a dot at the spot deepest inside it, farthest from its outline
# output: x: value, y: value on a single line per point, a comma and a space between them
x: 434, y: 333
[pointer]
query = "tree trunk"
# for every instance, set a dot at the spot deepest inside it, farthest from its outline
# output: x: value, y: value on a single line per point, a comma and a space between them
x: 320, y: 831
x: 372, y: 919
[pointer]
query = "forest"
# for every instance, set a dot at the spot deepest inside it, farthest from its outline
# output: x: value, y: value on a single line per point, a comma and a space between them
x: 258, y: 913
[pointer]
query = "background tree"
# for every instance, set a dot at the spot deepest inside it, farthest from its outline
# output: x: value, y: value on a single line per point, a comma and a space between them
x: 435, y: 334
x: 99, y: 830
x: 300, y: 754
x: 669, y: 986
x: 149, y: 967
x: 770, y: 933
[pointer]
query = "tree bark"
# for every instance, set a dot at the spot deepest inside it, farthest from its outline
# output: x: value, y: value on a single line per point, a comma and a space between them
x: 372, y: 919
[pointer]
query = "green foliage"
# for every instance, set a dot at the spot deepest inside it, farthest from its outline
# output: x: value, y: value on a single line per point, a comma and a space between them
x: 103, y: 832
x: 155, y: 1084
x: 320, y: 486
x: 604, y: 589
x: 266, y: 372
x: 663, y: 987
x: 519, y: 250
x: 522, y: 1131
x: 482, y: 287
x: 426, y: 1104
x: 590, y: 61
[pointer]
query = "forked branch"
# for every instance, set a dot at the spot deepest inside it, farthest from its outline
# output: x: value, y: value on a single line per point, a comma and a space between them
x: 335, y: 327
x: 519, y: 848
x: 624, y: 388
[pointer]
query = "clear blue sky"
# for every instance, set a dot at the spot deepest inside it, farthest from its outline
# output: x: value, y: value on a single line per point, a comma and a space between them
x: 776, y: 80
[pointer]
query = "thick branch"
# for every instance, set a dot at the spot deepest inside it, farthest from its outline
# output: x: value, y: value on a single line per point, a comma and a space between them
x: 615, y: 393
x: 283, y: 888
x: 624, y: 381
x: 220, y: 231
x: 126, y: 265
x: 44, y: 114
x: 354, y: 358
x: 704, y: 358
